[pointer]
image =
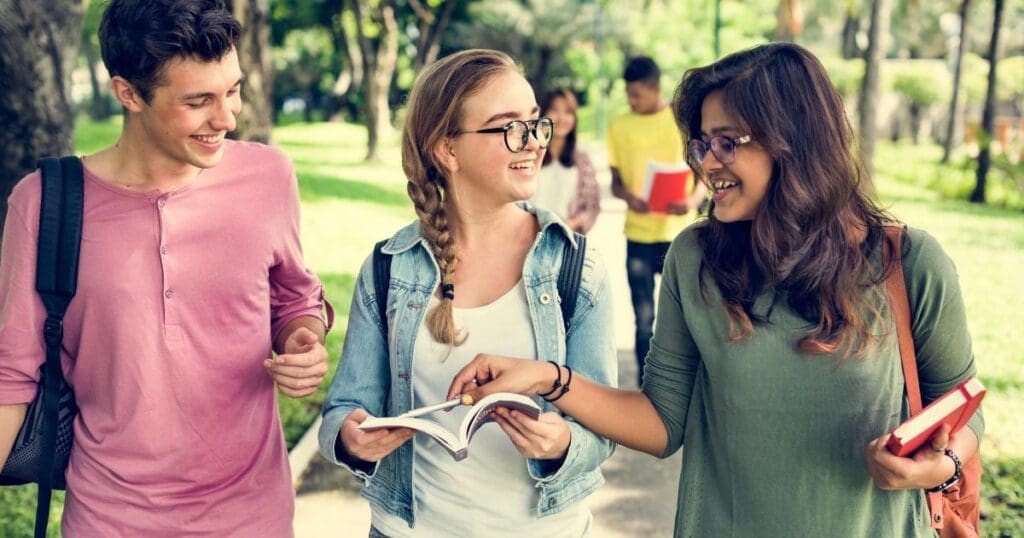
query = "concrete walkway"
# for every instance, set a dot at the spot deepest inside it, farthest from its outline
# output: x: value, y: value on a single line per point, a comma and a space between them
x: 639, y: 498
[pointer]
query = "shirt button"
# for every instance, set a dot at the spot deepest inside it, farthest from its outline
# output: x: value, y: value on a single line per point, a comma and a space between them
x: 161, y: 202
x: 545, y: 298
x: 163, y: 250
x: 552, y: 503
x: 169, y: 294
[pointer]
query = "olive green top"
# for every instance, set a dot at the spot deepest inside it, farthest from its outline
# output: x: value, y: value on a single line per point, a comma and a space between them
x: 775, y: 438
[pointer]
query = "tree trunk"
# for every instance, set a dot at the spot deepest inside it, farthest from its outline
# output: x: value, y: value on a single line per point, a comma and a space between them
x: 789, y: 22
x: 349, y: 82
x: 539, y: 77
x: 380, y: 56
x: 954, y: 101
x: 916, y: 111
x: 432, y: 26
x: 99, y: 109
x: 851, y: 25
x: 255, y: 121
x: 880, y: 12
x: 38, y: 48
x: 988, y: 117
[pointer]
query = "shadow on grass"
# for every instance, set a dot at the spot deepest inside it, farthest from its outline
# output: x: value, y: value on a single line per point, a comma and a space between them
x: 313, y: 186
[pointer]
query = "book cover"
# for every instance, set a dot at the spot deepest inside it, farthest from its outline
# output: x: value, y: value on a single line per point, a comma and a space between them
x: 665, y: 184
x: 456, y: 443
x: 954, y: 408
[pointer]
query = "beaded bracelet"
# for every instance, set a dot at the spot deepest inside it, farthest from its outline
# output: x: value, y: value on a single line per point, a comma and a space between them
x: 565, y: 387
x: 951, y: 481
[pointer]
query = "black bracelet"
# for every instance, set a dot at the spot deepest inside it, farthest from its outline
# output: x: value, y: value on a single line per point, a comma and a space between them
x: 951, y: 481
x: 565, y: 387
x: 555, y: 386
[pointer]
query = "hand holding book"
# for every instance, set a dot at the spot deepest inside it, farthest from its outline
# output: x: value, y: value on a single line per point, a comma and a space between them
x: 914, y: 456
x: 952, y: 409
x: 457, y: 442
x: 370, y: 446
x: 545, y: 438
x: 665, y: 187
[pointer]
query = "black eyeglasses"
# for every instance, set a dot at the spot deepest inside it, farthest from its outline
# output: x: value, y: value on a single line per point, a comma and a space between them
x: 517, y: 133
x: 723, y: 147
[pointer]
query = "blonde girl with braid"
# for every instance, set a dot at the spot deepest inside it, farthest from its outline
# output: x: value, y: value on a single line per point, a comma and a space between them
x: 476, y: 273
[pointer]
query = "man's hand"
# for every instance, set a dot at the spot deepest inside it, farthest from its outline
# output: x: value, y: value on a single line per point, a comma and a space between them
x: 637, y: 204
x: 676, y: 208
x: 302, y: 367
x: 619, y: 190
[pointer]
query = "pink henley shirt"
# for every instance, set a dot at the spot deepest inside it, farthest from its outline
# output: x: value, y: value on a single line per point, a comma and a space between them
x: 179, y: 297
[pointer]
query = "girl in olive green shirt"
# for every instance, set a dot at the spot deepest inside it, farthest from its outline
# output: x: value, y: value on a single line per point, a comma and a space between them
x: 774, y: 359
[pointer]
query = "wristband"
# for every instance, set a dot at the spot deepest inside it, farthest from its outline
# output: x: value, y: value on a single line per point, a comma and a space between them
x: 554, y: 386
x: 565, y: 387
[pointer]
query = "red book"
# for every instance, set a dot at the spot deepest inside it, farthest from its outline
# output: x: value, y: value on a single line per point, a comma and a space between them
x: 665, y: 184
x: 954, y: 408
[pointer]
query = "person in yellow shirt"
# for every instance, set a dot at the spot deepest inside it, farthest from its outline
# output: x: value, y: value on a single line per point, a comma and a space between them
x: 646, y: 134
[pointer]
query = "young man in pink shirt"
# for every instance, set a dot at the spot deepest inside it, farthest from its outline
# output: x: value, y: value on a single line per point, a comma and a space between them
x: 191, y: 277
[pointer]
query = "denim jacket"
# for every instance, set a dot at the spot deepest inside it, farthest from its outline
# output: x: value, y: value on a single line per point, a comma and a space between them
x: 375, y: 375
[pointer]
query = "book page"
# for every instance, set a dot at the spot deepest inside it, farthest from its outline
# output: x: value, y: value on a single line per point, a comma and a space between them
x: 436, y: 431
x: 953, y: 408
x: 480, y: 413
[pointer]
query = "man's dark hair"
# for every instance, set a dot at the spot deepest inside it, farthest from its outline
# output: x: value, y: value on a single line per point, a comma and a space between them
x: 642, y: 69
x: 139, y: 37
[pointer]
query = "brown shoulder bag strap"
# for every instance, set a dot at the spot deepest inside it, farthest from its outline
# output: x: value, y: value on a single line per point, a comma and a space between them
x: 899, y: 302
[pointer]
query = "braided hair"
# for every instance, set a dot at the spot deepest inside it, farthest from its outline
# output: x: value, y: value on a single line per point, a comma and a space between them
x: 434, y: 113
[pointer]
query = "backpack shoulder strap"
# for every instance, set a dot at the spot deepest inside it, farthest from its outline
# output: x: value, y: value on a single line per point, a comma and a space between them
x: 381, y: 283
x: 60, y: 232
x: 569, y: 276
x: 59, y: 244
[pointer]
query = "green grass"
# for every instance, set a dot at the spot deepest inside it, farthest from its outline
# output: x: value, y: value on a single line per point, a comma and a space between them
x: 919, y: 165
x: 349, y: 204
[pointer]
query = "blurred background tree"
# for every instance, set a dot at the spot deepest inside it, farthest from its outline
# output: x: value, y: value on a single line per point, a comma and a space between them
x: 38, y: 51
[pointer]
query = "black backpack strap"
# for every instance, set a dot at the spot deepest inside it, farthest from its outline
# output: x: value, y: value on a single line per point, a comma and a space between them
x: 60, y: 235
x: 569, y: 275
x: 381, y: 283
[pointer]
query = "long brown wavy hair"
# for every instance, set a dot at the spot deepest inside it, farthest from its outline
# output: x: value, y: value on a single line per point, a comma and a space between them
x: 569, y: 148
x: 817, y: 225
x: 434, y: 113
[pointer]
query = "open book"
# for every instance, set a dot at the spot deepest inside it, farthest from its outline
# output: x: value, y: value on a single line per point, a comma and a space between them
x: 954, y: 408
x: 478, y: 415
x: 664, y: 184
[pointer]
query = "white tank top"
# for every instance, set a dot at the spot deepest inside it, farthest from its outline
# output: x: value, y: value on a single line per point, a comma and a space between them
x: 490, y: 493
